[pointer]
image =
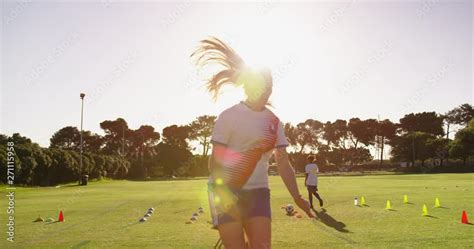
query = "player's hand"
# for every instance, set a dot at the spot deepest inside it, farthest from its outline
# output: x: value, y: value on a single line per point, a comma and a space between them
x: 304, y: 205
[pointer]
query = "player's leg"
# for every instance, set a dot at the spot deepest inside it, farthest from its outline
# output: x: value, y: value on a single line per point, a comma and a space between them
x: 256, y: 213
x: 258, y: 230
x: 232, y: 235
x: 310, y: 196
x: 316, y: 194
x: 226, y: 218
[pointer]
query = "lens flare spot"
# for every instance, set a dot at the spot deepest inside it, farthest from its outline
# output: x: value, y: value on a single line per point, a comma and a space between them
x: 219, y: 181
x: 254, y: 83
x: 217, y: 199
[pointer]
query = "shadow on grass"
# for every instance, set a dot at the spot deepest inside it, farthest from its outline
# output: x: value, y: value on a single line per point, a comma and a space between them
x: 329, y: 221
x: 81, y: 244
x: 430, y: 216
x: 410, y: 203
x: 443, y: 207
x: 393, y: 210
x: 53, y: 222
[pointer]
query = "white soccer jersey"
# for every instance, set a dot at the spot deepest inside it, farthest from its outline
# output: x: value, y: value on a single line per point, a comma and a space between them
x: 241, y: 129
x: 312, y: 170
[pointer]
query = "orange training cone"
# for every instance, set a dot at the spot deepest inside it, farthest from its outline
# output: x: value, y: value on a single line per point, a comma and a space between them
x: 61, y: 216
x: 464, y: 218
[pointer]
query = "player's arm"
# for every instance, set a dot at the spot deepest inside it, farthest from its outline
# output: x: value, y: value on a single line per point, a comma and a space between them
x: 305, y: 178
x: 218, y: 152
x: 288, y: 176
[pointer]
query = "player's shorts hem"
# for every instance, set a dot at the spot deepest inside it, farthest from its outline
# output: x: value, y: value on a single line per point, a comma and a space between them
x: 250, y: 203
x: 311, y: 187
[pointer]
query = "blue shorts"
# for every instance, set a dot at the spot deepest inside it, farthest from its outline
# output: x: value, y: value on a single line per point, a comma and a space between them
x: 229, y: 205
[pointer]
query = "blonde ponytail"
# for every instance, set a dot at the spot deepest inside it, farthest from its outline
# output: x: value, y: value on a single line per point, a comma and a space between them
x: 215, y: 51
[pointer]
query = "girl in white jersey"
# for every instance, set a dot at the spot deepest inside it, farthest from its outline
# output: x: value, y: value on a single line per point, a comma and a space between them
x: 244, y: 138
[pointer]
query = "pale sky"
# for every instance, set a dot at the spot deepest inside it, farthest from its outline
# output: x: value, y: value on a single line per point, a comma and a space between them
x: 330, y: 60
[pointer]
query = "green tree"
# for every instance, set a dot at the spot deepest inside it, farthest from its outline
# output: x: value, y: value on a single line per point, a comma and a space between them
x: 427, y: 122
x: 416, y: 146
x: 360, y: 132
x: 461, y: 115
x: 3, y: 139
x: 173, y: 151
x: 201, y: 130
x: 116, y: 136
x: 308, y: 134
x: 69, y: 138
x: 420, y: 126
x: 66, y: 138
x: 143, y: 142
x: 291, y: 134
x: 385, y: 131
x: 64, y: 166
x: 336, y: 133
x: 463, y: 145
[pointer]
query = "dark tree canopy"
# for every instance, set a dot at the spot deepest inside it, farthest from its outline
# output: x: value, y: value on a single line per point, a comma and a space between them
x: 428, y: 122
x: 460, y: 115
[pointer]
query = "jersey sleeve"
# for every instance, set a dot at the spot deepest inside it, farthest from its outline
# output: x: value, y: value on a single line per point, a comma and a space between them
x: 222, y: 130
x: 281, y: 140
x: 306, y: 169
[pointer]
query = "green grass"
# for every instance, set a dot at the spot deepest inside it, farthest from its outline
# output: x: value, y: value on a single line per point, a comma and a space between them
x: 105, y: 214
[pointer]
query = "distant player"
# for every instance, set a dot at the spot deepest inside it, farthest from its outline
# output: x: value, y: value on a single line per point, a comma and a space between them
x: 311, y: 181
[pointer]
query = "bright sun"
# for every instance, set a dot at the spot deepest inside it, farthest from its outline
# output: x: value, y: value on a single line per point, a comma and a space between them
x: 261, y: 42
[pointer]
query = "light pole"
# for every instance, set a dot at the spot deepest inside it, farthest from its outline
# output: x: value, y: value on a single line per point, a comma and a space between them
x: 82, y: 95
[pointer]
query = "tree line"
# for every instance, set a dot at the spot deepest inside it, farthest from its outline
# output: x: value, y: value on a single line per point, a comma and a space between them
x: 123, y: 152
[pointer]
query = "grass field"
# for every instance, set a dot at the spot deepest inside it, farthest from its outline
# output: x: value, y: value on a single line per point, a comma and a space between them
x: 105, y: 214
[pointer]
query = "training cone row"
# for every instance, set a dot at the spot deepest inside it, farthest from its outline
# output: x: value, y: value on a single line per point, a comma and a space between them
x: 147, y: 215
x: 194, y: 217
x: 424, y: 210
x: 49, y: 219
